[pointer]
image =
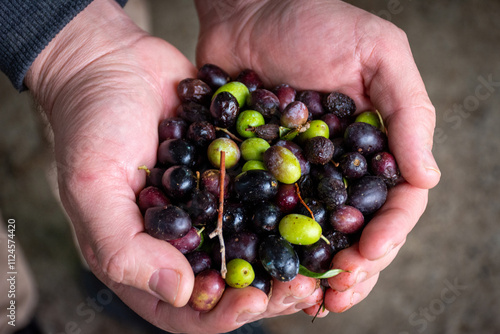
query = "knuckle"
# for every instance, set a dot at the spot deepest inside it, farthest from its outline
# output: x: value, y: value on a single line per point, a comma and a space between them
x: 115, y: 263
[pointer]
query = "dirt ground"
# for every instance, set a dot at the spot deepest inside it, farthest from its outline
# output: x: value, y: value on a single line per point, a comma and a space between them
x: 444, y: 280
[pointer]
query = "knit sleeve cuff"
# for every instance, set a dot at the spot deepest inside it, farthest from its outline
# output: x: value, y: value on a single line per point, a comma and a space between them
x: 27, y: 27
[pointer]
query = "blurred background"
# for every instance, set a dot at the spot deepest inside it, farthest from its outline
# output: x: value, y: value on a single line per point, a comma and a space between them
x: 444, y: 280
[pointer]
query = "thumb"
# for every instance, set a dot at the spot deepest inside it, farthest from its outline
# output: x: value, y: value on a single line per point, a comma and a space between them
x: 398, y: 92
x: 151, y: 265
x: 117, y: 249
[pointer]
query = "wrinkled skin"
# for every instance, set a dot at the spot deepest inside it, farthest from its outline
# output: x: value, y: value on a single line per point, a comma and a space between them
x: 105, y: 85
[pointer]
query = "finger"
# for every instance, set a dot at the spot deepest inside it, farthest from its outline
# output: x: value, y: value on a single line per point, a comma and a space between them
x: 381, y: 238
x: 410, y: 138
x: 359, y: 268
x: 314, y: 307
x: 115, y: 245
x: 286, y: 295
x: 145, y: 263
x: 316, y: 298
x: 338, y: 302
x: 398, y: 92
x: 318, y: 311
x: 236, y: 307
x: 392, y: 223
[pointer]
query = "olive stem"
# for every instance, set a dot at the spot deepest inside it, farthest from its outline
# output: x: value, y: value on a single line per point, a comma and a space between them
x: 325, y: 239
x: 336, y: 164
x: 233, y: 137
x: 198, y: 180
x: 322, y: 306
x: 382, y: 125
x: 200, y: 231
x: 302, y: 201
x: 218, y: 230
x: 145, y: 168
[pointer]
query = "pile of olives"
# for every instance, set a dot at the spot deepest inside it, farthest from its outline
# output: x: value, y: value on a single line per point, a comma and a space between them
x: 285, y: 179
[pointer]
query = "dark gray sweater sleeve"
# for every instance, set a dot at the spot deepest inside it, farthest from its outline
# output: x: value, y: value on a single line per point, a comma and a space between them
x: 27, y: 26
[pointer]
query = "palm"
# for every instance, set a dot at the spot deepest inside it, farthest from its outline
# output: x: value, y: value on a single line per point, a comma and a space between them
x: 98, y: 152
x: 303, y: 47
x: 326, y: 46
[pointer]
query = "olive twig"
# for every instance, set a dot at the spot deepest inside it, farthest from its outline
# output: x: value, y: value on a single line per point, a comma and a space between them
x: 218, y: 230
x: 229, y: 133
x: 302, y: 201
x: 325, y: 239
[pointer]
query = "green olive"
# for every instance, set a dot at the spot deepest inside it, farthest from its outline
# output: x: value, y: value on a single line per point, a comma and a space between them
x: 316, y: 128
x: 231, y: 149
x: 247, y: 119
x: 254, y: 148
x: 240, y: 273
x: 237, y: 89
x: 370, y: 117
x: 283, y: 164
x: 299, y: 229
x: 253, y: 164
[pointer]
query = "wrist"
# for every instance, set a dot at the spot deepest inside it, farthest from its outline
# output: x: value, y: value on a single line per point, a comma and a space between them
x: 100, y: 29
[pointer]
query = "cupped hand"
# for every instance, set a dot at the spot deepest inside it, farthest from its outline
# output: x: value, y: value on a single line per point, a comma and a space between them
x: 329, y: 45
x: 105, y: 85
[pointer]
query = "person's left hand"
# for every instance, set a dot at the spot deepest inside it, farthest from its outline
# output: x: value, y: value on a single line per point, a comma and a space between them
x: 327, y: 46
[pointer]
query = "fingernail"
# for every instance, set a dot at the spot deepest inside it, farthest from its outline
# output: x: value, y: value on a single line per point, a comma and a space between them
x: 245, y: 317
x: 165, y: 283
x: 355, y: 298
x: 301, y: 306
x: 434, y: 170
x: 389, y: 249
x: 290, y: 300
x: 430, y: 163
x: 361, y: 277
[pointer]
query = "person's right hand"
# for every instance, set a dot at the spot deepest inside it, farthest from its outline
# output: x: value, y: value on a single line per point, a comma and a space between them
x: 105, y: 85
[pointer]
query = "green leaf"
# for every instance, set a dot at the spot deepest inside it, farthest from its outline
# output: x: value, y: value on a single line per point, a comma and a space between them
x: 283, y: 131
x: 330, y: 273
x: 287, y: 133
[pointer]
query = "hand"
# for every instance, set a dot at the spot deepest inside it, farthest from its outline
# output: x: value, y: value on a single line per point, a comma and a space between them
x: 105, y: 85
x: 329, y: 45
